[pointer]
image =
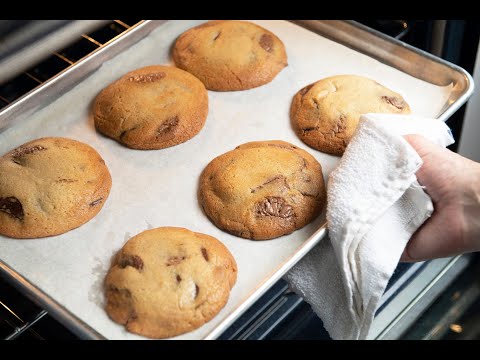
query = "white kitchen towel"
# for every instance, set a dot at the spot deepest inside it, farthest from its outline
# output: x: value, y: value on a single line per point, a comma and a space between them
x: 374, y: 205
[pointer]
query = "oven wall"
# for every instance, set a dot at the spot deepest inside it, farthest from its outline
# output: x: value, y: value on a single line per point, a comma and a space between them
x: 469, y: 144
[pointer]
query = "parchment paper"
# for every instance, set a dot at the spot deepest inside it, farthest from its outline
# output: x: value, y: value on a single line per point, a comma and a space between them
x: 158, y: 188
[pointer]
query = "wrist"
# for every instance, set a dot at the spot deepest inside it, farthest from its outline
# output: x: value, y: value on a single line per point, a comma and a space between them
x: 471, y: 207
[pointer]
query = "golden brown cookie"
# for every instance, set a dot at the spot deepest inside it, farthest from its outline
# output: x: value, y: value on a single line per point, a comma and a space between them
x: 168, y: 281
x: 262, y: 190
x: 230, y: 55
x: 153, y: 107
x: 325, y: 114
x: 49, y: 186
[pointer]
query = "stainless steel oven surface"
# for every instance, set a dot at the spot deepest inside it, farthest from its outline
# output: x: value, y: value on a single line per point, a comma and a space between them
x: 434, y: 299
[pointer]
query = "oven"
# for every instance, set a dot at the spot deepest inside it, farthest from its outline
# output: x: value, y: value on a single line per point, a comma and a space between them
x: 438, y: 299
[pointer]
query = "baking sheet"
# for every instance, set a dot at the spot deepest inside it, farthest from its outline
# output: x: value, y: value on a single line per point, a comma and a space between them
x: 158, y: 188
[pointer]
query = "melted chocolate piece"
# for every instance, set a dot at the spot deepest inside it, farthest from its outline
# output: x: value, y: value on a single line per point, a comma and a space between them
x: 12, y: 206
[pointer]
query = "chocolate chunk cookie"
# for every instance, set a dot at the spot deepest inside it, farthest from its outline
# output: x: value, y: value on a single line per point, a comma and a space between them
x: 168, y: 281
x: 262, y: 190
x: 153, y: 107
x: 230, y: 55
x: 325, y: 114
x: 49, y: 186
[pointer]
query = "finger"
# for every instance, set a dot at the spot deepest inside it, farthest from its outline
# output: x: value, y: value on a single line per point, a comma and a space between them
x: 405, y: 256
x: 433, y: 240
x: 421, y: 144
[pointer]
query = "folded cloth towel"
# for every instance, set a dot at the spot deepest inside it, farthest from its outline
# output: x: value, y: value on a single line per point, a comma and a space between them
x: 374, y: 205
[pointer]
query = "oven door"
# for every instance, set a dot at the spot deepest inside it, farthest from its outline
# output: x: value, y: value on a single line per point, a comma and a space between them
x: 427, y: 300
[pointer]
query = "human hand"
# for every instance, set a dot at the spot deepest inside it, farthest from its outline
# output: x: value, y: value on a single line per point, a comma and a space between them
x: 453, y: 183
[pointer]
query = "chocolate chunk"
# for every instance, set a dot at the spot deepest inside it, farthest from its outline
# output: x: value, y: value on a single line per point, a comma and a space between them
x: 271, y: 180
x: 134, y: 261
x: 20, y: 152
x: 197, y: 290
x: 395, y: 101
x: 175, y: 260
x: 308, y: 129
x: 65, y: 181
x: 124, y: 293
x: 307, y: 194
x: 96, y: 202
x: 179, y: 278
x: 122, y: 298
x: 277, y: 177
x: 266, y: 42
x: 12, y: 206
x: 125, y: 132
x: 274, y: 206
x: 144, y: 78
x: 168, y: 125
x: 205, y: 254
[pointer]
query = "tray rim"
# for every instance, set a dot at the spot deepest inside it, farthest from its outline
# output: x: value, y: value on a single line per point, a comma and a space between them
x: 58, y: 311
x: 454, y: 104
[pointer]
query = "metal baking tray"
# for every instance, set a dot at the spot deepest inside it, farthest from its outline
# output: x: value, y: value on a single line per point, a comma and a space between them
x: 64, y: 274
